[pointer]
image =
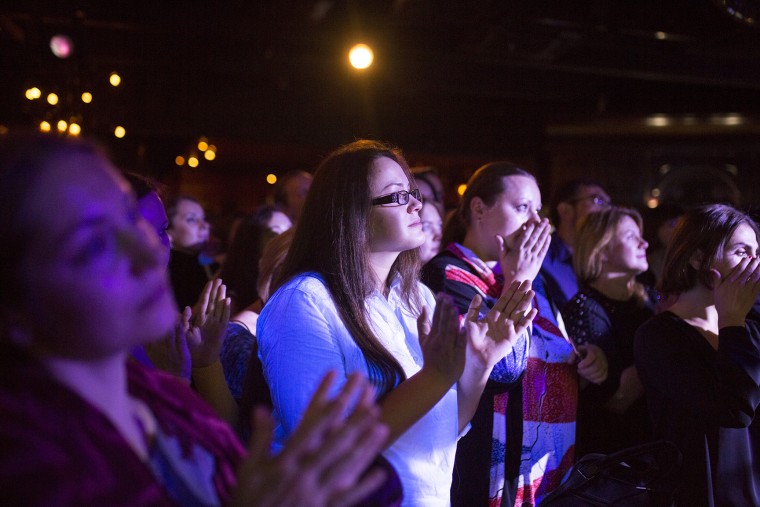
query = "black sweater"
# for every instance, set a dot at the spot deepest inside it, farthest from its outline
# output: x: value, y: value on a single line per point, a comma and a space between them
x: 704, y: 400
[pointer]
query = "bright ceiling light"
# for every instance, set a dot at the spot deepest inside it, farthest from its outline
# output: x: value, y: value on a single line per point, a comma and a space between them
x: 361, y: 56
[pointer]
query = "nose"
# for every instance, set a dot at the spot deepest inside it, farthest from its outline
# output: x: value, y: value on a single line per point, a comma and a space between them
x: 142, y: 247
x: 414, y: 204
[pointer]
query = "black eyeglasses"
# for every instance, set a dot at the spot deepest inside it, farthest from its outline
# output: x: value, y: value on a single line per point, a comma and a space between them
x: 595, y: 199
x: 398, y: 198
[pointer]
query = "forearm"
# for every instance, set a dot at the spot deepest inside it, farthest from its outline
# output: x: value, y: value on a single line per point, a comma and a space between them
x: 469, y: 390
x: 212, y: 387
x: 629, y: 390
x: 411, y: 400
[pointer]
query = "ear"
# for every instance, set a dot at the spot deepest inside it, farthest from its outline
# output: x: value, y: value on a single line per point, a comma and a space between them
x: 603, y: 257
x: 477, y: 208
x: 696, y: 259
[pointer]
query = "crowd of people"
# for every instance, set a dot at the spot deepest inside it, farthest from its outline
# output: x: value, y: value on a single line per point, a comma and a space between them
x: 360, y: 344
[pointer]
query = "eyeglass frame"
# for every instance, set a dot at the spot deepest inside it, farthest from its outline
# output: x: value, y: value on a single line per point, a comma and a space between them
x: 400, y: 198
x: 596, y: 199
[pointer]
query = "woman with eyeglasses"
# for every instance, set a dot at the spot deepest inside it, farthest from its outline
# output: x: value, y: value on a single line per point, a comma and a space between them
x: 84, y: 282
x: 699, y: 361
x: 521, y: 443
x: 348, y: 299
x: 611, y: 304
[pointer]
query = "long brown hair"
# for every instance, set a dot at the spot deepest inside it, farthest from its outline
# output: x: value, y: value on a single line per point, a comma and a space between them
x: 487, y: 183
x: 593, y: 236
x: 332, y: 238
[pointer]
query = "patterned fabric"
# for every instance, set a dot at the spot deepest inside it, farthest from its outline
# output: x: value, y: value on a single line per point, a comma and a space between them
x: 550, y: 400
x: 59, y: 450
x: 234, y: 356
x: 548, y: 391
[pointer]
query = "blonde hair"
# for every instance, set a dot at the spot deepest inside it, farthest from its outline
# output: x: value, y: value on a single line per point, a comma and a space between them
x: 594, y: 233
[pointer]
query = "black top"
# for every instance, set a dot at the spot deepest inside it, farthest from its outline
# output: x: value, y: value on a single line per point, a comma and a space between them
x: 188, y: 277
x: 592, y: 317
x: 704, y: 400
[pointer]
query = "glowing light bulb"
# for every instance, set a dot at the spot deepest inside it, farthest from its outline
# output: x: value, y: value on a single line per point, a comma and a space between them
x: 52, y: 99
x: 209, y: 155
x: 33, y: 93
x: 271, y: 179
x: 87, y: 97
x: 461, y: 189
x: 361, y: 56
x: 119, y: 131
x: 180, y: 160
x: 75, y: 129
x: 45, y: 126
x: 192, y: 161
x: 62, y: 125
x: 202, y: 145
x: 61, y: 45
x: 114, y: 79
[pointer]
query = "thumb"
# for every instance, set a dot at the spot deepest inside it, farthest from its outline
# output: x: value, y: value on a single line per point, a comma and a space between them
x: 423, y: 324
x: 474, y: 310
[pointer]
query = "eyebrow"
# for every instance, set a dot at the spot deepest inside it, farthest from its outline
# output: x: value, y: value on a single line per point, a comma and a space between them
x: 392, y: 185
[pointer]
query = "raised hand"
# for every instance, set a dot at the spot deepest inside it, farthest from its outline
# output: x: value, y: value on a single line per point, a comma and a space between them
x: 593, y: 363
x: 735, y: 293
x: 206, y: 323
x: 323, y: 461
x: 443, y: 345
x: 521, y: 260
x: 171, y: 354
x: 492, y: 337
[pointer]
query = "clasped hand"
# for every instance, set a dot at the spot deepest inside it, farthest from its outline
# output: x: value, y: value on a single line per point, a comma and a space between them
x: 521, y: 260
x: 479, y: 343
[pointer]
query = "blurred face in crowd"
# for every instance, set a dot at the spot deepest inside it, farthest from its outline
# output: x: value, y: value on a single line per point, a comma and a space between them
x: 189, y: 229
x: 94, y: 265
x: 432, y: 226
x: 590, y: 198
x: 279, y: 222
x: 627, y: 251
x: 152, y: 210
x: 296, y: 189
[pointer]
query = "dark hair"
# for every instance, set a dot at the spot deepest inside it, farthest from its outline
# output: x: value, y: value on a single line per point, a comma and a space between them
x: 593, y: 235
x: 280, y: 194
x: 241, y: 267
x: 567, y: 192
x: 23, y: 160
x: 173, y: 202
x: 703, y: 232
x: 143, y: 185
x: 424, y: 173
x: 332, y: 238
x: 487, y: 183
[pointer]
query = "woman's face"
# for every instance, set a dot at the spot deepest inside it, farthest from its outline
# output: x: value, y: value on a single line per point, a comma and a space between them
x: 279, y: 222
x: 152, y: 210
x: 392, y: 228
x: 517, y: 205
x: 95, y: 283
x: 741, y: 244
x: 189, y: 228
x: 432, y: 226
x: 627, y: 251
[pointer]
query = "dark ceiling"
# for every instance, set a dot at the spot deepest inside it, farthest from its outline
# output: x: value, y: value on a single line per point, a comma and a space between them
x: 449, y: 77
